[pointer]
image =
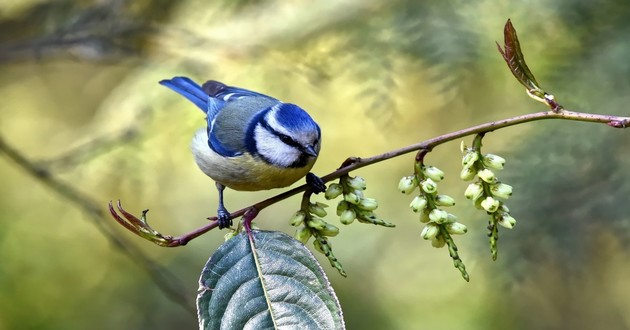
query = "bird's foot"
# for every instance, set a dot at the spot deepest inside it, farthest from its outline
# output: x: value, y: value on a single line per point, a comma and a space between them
x: 223, y: 218
x: 316, y: 183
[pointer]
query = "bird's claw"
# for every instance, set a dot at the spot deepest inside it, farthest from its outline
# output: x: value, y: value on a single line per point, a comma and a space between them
x: 223, y: 218
x: 317, y: 184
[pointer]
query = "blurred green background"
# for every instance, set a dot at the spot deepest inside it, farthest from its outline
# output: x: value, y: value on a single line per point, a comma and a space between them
x: 79, y: 100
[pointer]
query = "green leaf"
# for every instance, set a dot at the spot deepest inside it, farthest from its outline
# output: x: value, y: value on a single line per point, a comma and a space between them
x: 516, y: 61
x: 266, y: 281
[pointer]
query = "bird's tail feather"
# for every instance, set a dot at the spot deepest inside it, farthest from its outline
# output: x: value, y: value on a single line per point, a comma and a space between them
x: 189, y: 89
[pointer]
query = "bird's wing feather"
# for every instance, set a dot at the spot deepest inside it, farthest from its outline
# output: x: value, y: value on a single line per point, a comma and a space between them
x: 234, y: 121
x: 229, y: 111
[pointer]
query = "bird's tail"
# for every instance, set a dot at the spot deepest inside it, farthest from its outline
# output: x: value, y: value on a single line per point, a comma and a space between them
x: 189, y: 89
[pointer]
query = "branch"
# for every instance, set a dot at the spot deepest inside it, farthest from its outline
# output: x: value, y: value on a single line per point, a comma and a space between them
x: 141, y: 228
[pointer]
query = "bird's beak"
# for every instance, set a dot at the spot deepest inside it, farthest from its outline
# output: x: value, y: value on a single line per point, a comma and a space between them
x: 309, y: 150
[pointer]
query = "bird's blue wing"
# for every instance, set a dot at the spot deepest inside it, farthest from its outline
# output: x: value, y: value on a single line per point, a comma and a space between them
x: 225, y: 132
x: 196, y: 94
x: 226, y: 93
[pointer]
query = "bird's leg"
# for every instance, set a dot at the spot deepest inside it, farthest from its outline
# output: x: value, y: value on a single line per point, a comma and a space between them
x: 316, y: 183
x: 223, y: 216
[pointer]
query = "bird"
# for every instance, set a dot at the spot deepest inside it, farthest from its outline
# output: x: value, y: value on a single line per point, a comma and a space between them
x: 252, y: 141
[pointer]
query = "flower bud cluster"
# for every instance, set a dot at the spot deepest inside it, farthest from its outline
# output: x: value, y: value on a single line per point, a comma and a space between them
x: 429, y: 204
x: 487, y: 191
x: 354, y: 206
x: 310, y: 222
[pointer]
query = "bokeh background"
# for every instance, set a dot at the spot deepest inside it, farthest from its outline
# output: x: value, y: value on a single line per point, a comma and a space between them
x: 83, y: 121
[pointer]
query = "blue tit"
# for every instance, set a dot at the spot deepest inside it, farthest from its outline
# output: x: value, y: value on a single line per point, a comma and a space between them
x: 252, y: 141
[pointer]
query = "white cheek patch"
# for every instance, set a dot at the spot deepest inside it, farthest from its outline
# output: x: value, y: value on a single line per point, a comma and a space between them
x: 273, y: 150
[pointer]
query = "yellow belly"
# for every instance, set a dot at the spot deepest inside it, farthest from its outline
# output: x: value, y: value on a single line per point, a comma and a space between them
x: 244, y: 172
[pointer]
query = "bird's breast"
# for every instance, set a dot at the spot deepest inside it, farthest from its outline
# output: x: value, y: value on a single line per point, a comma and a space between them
x: 244, y: 172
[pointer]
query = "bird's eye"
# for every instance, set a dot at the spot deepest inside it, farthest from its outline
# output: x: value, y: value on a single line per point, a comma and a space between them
x: 286, y: 139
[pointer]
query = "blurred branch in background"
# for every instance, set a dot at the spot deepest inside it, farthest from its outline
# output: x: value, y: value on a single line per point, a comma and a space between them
x: 162, y: 277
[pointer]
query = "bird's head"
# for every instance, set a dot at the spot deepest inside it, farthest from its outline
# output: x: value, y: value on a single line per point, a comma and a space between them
x: 286, y: 136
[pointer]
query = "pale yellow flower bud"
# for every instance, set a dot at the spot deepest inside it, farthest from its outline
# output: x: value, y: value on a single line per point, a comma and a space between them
x: 501, y: 190
x: 333, y: 191
x: 438, y: 242
x: 467, y: 173
x: 352, y: 198
x: 298, y: 218
x: 474, y: 191
x: 430, y: 231
x: 456, y: 228
x: 429, y: 186
x: 418, y: 204
x: 494, y: 161
x: 469, y: 159
x: 444, y: 200
x: 433, y: 173
x: 369, y: 204
x: 316, y: 223
x: 302, y: 234
x: 330, y: 230
x: 357, y: 183
x: 347, y: 216
x: 317, y: 209
x: 438, y: 215
x: 490, y: 204
x: 407, y: 184
x: 487, y: 175
x: 507, y: 221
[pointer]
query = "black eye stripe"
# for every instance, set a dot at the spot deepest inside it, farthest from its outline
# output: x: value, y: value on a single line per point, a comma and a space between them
x: 283, y: 137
